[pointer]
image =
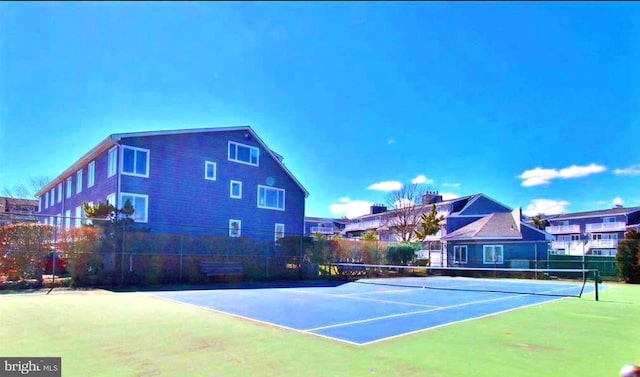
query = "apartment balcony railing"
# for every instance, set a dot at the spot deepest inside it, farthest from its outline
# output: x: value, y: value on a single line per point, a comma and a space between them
x: 606, y: 227
x: 321, y: 229
x: 362, y: 225
x: 602, y: 244
x: 569, y: 247
x: 563, y: 229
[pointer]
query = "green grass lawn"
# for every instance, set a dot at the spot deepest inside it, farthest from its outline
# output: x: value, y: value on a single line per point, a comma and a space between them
x: 99, y: 333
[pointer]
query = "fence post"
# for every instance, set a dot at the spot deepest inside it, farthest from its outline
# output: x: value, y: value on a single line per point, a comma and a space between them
x: 181, y: 247
x: 597, y: 279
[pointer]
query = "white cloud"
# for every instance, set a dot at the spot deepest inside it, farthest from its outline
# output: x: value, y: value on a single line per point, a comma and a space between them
x: 546, y: 206
x: 344, y: 200
x: 422, y: 179
x: 575, y: 171
x: 540, y: 176
x: 350, y: 208
x: 631, y: 170
x: 386, y: 186
x: 617, y: 201
x: 391, y: 141
x: 454, y: 185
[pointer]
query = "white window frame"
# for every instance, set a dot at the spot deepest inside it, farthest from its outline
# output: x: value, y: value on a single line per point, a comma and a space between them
x: 67, y: 219
x: 52, y: 197
x: 46, y: 200
x: 278, y: 233
x: 145, y: 219
x: 40, y: 205
x: 60, y: 192
x: 79, y: 181
x: 78, y: 217
x: 261, y: 188
x: 609, y: 219
x: 91, y: 174
x: 135, y: 156
x: 495, y: 248
x: 231, y: 195
x: 234, y: 145
x: 456, y: 253
x: 69, y: 186
x: 206, y: 170
x: 111, y: 199
x: 231, y: 231
x: 112, y: 161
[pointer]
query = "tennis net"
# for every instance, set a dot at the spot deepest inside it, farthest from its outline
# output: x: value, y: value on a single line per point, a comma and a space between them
x: 546, y: 282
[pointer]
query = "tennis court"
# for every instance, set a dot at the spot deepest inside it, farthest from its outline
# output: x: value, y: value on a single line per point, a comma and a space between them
x: 372, y: 310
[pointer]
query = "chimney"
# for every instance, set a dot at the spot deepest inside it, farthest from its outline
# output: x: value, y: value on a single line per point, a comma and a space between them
x: 431, y: 197
x: 378, y: 208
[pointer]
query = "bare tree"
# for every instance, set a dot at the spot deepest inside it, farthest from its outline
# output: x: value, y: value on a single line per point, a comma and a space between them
x: 406, y: 207
x: 27, y: 190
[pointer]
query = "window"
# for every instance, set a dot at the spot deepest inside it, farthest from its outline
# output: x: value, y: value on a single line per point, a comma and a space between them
x: 235, y: 227
x: 460, y: 254
x: 235, y: 190
x: 609, y: 220
x: 112, y: 160
x: 279, y: 233
x: 270, y: 198
x: 210, y: 170
x: 91, y: 174
x: 111, y: 199
x: 46, y: 200
x: 493, y: 254
x: 59, y: 192
x: 59, y: 220
x: 244, y: 154
x: 40, y: 204
x: 140, y: 205
x: 67, y: 219
x: 79, y: 181
x: 135, y: 161
x: 78, y: 216
x: 53, y: 197
x: 69, y: 181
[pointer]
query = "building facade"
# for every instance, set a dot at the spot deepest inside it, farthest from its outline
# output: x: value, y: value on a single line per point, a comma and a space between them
x: 219, y: 181
x: 591, y: 233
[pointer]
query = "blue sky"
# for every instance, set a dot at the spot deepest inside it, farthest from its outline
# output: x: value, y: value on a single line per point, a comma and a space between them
x: 534, y: 104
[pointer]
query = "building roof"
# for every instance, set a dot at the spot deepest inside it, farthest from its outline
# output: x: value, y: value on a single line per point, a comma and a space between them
x: 597, y: 213
x: 113, y: 139
x: 391, y: 211
x: 499, y: 225
x: 311, y: 218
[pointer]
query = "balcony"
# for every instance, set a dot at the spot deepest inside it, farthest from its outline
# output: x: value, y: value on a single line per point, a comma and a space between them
x: 563, y: 229
x: 602, y: 244
x: 362, y: 225
x: 569, y: 247
x: 321, y: 230
x: 606, y: 227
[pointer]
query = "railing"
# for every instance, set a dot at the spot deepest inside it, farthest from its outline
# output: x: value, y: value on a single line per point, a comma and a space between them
x: 362, y: 225
x: 321, y: 230
x: 569, y: 247
x: 606, y: 227
x: 556, y: 229
x: 602, y: 244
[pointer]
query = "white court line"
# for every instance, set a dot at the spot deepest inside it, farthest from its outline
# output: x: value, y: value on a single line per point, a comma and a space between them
x: 253, y: 319
x: 421, y: 311
x: 470, y: 319
x: 364, y: 298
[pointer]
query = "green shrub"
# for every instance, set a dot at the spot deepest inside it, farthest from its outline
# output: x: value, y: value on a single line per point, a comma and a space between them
x: 627, y: 258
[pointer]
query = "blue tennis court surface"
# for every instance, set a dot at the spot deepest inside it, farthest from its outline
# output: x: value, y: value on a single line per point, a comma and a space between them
x: 361, y: 314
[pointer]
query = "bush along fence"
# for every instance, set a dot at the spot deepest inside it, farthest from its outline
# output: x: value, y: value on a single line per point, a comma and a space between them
x: 118, y: 254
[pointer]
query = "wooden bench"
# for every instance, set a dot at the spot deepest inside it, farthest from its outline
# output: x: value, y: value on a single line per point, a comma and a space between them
x: 216, y: 269
x: 352, y: 271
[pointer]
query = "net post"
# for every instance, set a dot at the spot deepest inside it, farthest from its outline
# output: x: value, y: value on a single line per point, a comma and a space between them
x: 596, y: 274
